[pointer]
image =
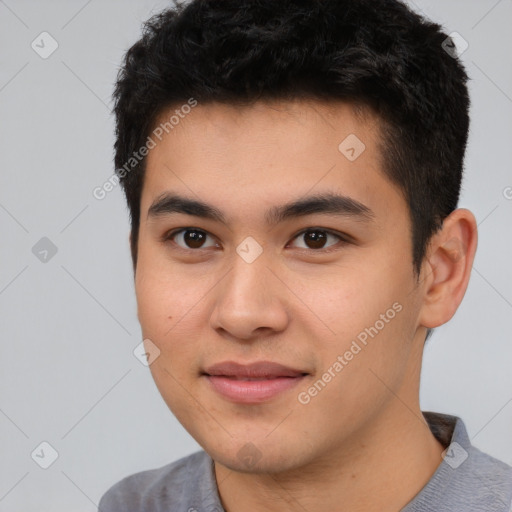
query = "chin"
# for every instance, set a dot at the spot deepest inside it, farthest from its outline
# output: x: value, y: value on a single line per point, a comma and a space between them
x: 257, y: 457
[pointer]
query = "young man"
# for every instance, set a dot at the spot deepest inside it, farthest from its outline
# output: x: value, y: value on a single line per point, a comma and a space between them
x: 292, y: 171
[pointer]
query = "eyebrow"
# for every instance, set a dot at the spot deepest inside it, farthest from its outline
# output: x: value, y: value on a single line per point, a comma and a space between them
x: 326, y: 204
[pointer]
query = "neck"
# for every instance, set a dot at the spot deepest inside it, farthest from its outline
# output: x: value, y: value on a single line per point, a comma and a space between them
x: 381, y: 470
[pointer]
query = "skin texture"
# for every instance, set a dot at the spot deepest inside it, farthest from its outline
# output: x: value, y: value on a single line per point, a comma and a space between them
x: 360, y: 443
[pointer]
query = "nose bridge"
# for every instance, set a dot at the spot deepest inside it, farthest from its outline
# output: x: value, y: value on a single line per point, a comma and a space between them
x: 244, y: 284
x: 248, y: 297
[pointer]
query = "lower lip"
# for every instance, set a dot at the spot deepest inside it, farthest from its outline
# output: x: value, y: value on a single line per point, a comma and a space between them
x: 251, y: 391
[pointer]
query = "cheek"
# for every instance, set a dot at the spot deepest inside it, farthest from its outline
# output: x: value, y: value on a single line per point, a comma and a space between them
x: 156, y: 308
x: 166, y: 295
x: 342, y: 303
x: 171, y: 312
x: 367, y: 315
x: 167, y: 315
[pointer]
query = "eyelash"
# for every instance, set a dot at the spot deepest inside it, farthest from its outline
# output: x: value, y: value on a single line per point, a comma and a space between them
x: 343, y: 239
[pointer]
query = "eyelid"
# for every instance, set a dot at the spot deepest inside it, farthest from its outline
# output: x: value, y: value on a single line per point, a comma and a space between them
x: 166, y: 238
x: 343, y: 238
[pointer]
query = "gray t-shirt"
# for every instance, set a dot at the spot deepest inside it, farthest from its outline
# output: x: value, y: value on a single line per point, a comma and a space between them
x: 467, y: 480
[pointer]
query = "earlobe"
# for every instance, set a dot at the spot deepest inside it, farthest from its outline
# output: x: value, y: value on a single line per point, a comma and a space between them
x: 450, y: 260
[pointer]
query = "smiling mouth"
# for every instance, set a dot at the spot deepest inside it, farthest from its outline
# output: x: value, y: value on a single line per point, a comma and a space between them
x: 253, y: 383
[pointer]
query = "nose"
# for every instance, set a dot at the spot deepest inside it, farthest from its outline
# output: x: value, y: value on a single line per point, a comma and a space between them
x: 250, y: 301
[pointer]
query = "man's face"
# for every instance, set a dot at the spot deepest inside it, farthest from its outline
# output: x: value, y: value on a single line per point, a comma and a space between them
x: 330, y: 295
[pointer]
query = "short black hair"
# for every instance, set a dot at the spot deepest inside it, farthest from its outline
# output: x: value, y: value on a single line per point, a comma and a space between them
x: 375, y: 53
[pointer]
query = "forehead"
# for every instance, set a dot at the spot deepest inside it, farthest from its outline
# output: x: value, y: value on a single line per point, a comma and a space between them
x: 256, y: 156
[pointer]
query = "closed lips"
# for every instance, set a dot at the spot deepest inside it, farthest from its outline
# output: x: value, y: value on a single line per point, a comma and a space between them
x: 253, y: 383
x: 261, y: 370
x: 268, y: 377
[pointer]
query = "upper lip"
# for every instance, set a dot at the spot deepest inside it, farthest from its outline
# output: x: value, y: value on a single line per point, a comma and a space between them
x: 255, y: 370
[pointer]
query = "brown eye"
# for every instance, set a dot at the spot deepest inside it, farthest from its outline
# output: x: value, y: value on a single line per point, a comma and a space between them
x: 189, y: 238
x: 316, y: 239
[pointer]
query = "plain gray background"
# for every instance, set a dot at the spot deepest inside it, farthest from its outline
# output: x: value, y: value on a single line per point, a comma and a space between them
x: 68, y: 375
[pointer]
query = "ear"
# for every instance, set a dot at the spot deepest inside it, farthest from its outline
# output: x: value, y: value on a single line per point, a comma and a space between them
x: 447, y: 269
